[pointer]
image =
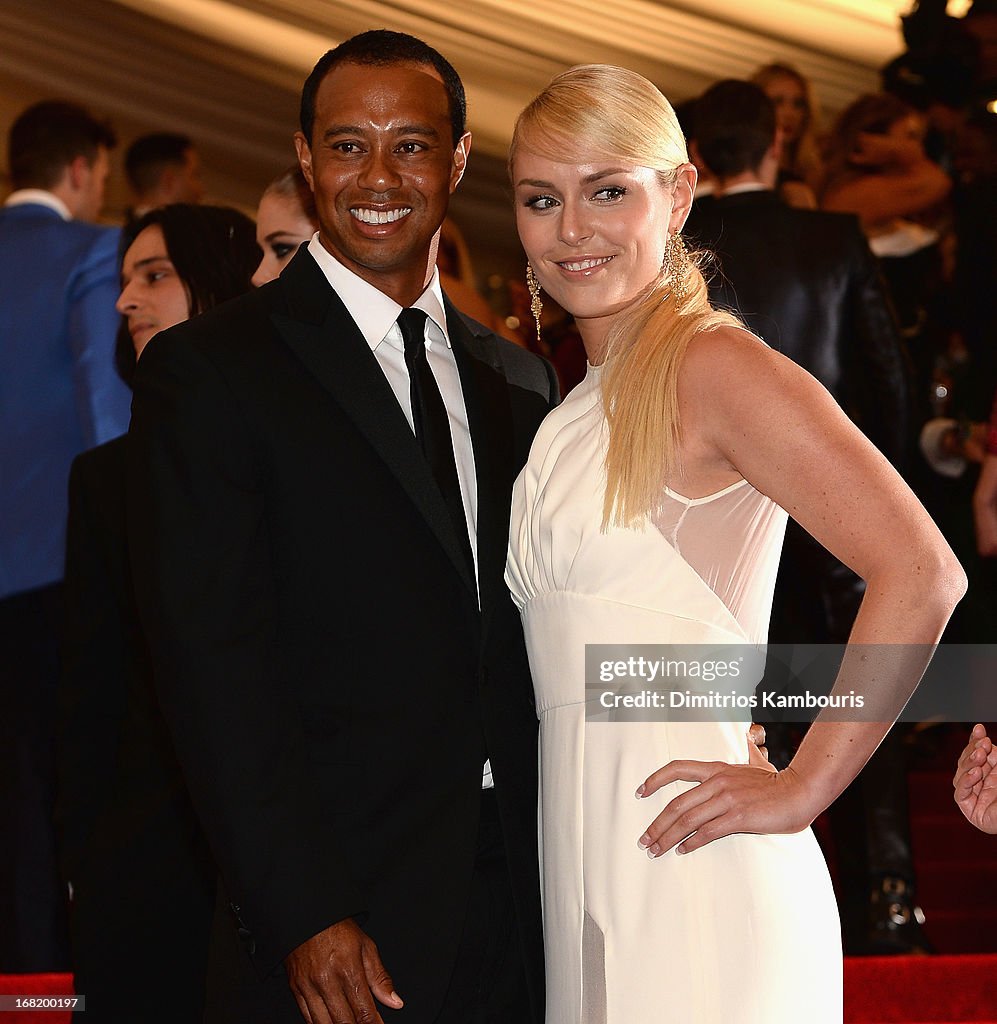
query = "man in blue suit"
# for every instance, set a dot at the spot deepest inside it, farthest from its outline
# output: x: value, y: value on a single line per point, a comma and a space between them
x: 59, y: 394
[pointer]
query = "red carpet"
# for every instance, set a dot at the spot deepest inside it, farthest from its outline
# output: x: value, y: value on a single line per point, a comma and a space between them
x: 920, y: 989
x: 878, y: 990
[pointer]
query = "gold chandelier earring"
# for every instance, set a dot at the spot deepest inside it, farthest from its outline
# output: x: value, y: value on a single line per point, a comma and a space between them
x: 676, y: 265
x: 536, y: 305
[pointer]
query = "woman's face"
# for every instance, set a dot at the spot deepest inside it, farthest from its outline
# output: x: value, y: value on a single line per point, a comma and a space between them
x: 790, y: 106
x: 595, y: 232
x: 281, y: 226
x: 152, y: 295
x: 908, y: 129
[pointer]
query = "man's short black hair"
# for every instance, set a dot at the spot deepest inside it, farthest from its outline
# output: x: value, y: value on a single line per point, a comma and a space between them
x: 48, y: 137
x: 382, y: 48
x: 734, y: 127
x: 150, y: 155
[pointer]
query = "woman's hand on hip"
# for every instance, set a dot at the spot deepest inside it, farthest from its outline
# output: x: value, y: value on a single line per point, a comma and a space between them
x: 728, y: 798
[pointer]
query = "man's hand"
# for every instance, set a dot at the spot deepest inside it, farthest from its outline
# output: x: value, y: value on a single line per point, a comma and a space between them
x: 335, y: 975
x: 985, y: 508
x: 758, y: 754
x: 975, y: 782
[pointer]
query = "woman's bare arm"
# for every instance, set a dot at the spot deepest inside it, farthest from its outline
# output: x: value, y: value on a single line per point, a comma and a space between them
x: 772, y: 423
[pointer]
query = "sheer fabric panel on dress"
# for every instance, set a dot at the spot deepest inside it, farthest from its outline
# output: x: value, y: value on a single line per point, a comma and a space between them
x: 727, y: 539
x: 593, y: 973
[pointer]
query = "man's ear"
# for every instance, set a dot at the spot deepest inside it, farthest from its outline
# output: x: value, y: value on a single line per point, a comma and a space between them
x: 683, y: 194
x: 460, y: 155
x: 168, y: 181
x: 304, y: 158
x: 77, y: 172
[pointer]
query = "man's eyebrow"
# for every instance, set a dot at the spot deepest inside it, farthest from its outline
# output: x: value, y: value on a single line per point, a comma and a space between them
x: 405, y: 129
x: 342, y: 129
x: 417, y: 129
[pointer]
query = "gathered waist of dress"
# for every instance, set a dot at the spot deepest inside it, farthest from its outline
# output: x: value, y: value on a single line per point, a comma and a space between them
x: 568, y: 633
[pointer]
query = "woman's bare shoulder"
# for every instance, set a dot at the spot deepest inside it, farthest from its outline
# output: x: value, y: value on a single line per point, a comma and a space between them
x: 725, y: 353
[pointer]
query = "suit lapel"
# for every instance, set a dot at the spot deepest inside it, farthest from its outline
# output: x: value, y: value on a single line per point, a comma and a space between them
x: 322, y: 334
x: 489, y: 416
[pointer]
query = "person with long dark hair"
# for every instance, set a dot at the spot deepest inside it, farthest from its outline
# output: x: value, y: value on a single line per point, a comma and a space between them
x: 131, y: 848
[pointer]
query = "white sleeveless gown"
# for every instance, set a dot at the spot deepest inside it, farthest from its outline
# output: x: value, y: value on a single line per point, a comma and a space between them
x: 744, y: 930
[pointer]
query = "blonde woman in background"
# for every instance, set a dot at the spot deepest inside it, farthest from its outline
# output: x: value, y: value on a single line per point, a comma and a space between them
x: 801, y: 169
x: 651, y: 511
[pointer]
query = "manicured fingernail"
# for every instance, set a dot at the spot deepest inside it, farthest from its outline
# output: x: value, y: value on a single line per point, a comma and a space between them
x: 654, y: 850
x: 640, y: 791
x: 681, y: 850
x: 644, y: 842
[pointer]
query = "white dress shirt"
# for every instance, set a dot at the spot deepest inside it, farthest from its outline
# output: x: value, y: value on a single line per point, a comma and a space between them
x: 38, y: 197
x: 377, y: 317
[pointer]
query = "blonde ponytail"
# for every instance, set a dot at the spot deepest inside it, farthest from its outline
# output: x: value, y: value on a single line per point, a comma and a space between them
x: 640, y: 393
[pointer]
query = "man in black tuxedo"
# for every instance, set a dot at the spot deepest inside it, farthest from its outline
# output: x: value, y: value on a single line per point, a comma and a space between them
x: 335, y: 652
x: 806, y: 282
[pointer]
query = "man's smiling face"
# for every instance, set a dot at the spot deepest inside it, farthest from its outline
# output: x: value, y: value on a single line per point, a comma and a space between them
x: 383, y: 165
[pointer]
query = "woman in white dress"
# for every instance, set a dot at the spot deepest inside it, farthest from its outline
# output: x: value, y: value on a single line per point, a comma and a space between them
x: 651, y: 512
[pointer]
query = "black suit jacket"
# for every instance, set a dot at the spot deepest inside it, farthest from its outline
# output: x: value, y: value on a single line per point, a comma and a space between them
x: 143, y: 880
x: 806, y: 283
x: 329, y: 680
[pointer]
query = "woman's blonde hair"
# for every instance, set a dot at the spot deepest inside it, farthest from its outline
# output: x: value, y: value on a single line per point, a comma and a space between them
x: 612, y: 113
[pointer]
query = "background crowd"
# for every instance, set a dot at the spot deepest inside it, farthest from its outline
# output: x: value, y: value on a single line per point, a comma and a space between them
x: 876, y: 271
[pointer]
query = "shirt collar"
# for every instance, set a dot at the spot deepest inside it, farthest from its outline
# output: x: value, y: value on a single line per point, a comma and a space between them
x: 373, y: 311
x: 745, y: 186
x: 38, y: 197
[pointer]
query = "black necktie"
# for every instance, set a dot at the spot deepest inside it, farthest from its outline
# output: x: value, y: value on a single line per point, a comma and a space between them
x: 432, y: 424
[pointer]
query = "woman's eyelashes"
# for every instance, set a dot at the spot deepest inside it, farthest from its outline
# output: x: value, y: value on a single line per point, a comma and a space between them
x: 282, y: 249
x: 605, y: 194
x: 542, y: 202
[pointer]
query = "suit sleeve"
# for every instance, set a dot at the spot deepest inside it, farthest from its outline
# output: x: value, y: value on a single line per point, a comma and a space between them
x: 91, y: 687
x: 206, y: 594
x: 554, y: 394
x: 102, y: 397
x: 879, y: 360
